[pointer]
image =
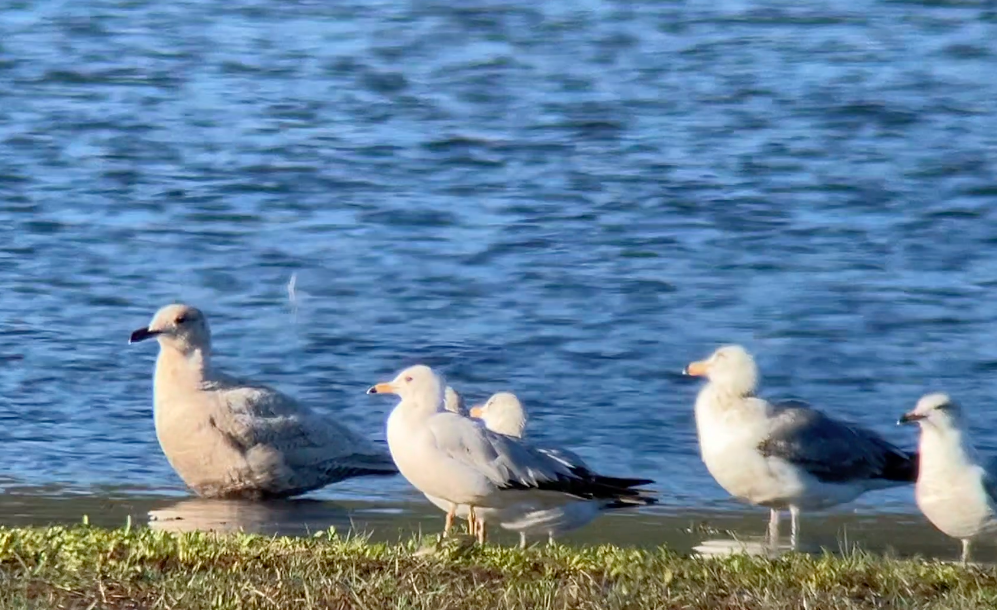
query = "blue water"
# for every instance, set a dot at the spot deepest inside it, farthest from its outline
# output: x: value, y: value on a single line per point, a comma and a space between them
x: 568, y: 200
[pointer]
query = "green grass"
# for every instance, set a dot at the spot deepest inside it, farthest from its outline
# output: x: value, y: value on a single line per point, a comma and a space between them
x: 85, y: 567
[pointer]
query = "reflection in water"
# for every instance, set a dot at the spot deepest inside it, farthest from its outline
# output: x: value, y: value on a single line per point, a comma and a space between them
x: 288, y: 517
x: 758, y: 547
x: 705, y: 532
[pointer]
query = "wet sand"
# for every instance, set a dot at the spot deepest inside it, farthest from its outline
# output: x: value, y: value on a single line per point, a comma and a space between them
x: 683, y: 530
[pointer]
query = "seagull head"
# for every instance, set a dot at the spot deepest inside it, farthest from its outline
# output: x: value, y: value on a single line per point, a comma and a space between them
x: 730, y: 367
x: 502, y: 413
x: 182, y: 327
x: 417, y: 384
x: 937, y: 410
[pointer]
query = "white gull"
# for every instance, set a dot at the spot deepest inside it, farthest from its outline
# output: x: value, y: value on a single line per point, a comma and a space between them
x: 786, y: 455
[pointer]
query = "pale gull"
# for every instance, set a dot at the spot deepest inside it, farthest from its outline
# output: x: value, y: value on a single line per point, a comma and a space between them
x: 503, y: 412
x: 954, y: 490
x: 785, y: 455
x: 231, y: 438
x: 460, y: 461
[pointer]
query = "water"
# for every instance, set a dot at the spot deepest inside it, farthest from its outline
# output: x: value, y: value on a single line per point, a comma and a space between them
x: 568, y: 201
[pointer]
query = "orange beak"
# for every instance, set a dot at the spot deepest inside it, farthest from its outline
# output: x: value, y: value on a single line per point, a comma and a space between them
x: 697, y: 369
x: 382, y: 388
x: 476, y: 412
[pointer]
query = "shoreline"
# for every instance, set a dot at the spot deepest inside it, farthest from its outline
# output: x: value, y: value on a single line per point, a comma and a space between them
x: 136, y: 567
x: 902, y: 534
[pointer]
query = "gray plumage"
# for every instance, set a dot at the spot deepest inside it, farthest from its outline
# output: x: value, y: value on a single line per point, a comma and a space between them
x: 508, y: 463
x: 833, y: 451
x: 549, y: 515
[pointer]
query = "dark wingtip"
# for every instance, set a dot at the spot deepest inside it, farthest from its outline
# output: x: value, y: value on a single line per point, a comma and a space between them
x: 901, y: 467
x: 915, y: 466
x: 386, y: 472
x: 594, y: 487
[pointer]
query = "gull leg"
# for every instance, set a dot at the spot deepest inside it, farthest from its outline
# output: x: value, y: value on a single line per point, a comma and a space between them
x: 522, y: 540
x: 773, y: 533
x: 550, y: 539
x: 482, y: 532
x: 965, y: 551
x: 449, y: 520
x: 472, y: 521
x: 794, y: 535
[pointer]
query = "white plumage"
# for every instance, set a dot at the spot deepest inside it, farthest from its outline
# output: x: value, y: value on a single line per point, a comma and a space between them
x: 954, y: 490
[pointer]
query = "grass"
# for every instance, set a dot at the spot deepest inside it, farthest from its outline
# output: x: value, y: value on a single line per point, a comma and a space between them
x: 86, y: 567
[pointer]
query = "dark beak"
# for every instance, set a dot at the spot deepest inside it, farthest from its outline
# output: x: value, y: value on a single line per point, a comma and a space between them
x: 142, y: 334
x: 909, y: 418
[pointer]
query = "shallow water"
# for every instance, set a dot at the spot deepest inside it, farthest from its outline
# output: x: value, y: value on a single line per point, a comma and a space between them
x: 571, y: 202
x: 686, y: 531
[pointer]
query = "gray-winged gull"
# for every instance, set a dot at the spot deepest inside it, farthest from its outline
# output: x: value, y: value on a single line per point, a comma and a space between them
x: 786, y: 455
x: 454, y: 458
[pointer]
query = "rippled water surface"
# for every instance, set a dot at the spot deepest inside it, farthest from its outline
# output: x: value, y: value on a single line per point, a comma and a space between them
x: 569, y: 200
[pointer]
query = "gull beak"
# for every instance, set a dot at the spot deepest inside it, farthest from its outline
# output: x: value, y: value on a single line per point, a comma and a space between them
x: 142, y: 334
x: 909, y: 418
x: 696, y: 369
x: 382, y: 388
x: 476, y: 412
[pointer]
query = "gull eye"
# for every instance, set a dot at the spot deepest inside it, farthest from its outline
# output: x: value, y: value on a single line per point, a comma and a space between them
x: 408, y: 379
x: 181, y: 318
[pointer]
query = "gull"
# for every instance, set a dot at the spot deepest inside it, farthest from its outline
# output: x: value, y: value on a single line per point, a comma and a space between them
x: 954, y: 490
x: 230, y: 438
x: 454, y: 458
x: 504, y: 413
x: 786, y: 455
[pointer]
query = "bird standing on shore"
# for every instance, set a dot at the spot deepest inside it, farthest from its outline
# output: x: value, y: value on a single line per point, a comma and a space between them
x: 460, y: 461
x: 786, y: 455
x: 954, y: 490
x: 230, y: 438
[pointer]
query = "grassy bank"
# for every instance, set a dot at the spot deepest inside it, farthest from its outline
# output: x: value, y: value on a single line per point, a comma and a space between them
x: 88, y: 567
